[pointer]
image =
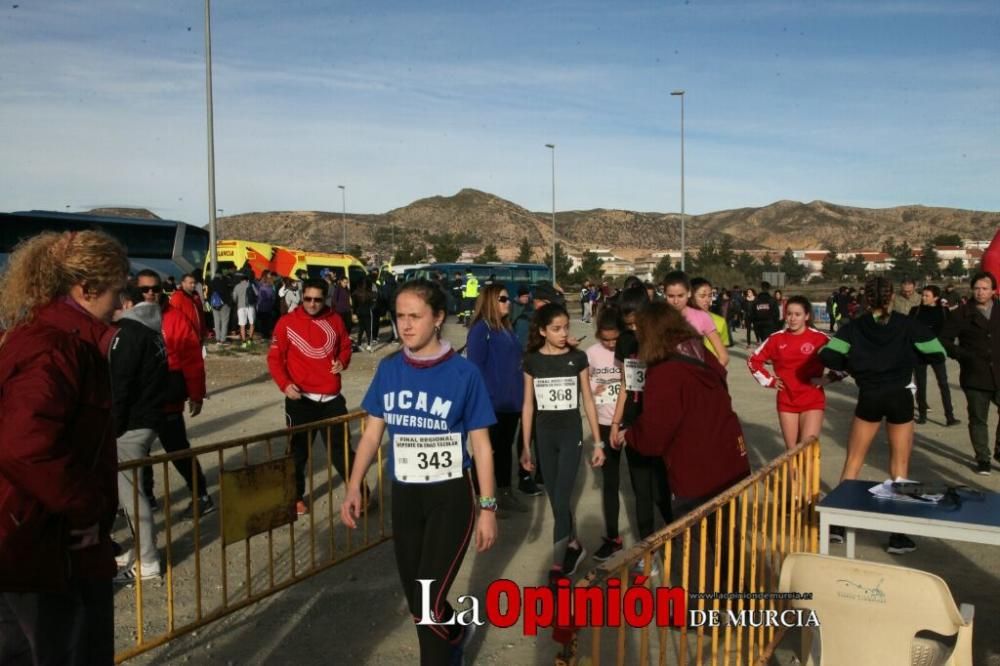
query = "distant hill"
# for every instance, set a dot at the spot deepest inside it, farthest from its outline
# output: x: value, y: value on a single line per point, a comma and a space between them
x: 481, y: 218
x: 125, y: 212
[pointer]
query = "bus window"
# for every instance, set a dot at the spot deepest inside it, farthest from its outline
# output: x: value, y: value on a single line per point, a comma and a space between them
x: 518, y: 275
x: 195, y: 246
x: 541, y: 275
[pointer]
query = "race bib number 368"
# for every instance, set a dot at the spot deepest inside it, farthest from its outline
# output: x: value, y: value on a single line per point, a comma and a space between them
x: 555, y: 393
x: 427, y: 458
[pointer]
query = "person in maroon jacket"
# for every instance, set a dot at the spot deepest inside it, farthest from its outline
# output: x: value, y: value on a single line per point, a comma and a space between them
x: 58, y: 463
x: 688, y: 417
x: 309, y: 349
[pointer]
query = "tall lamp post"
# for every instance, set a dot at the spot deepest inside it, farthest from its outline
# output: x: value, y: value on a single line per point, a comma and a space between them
x: 552, y: 147
x: 343, y: 216
x: 680, y: 93
x: 212, y: 233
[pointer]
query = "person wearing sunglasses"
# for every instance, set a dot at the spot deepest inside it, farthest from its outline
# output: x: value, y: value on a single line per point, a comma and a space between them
x: 310, y: 348
x: 493, y: 347
x: 185, y: 384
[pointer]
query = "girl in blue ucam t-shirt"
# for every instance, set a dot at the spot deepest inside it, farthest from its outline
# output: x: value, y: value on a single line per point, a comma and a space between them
x: 434, y: 404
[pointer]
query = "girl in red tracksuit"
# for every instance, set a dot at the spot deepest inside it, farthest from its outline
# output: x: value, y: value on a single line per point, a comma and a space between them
x: 797, y: 372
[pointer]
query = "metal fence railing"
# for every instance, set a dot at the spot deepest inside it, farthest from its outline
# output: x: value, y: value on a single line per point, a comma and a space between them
x: 726, y: 554
x: 253, y: 544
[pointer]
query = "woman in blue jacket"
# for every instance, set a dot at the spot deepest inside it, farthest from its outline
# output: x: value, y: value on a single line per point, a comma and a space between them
x: 493, y: 347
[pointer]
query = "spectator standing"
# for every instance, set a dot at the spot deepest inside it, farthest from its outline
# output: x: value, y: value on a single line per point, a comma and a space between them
x: 364, y: 306
x: 138, y: 360
x: 907, y: 298
x: 765, y: 315
x: 309, y: 351
x: 493, y: 347
x: 220, y: 297
x: 266, y: 305
x: 245, y: 298
x: 521, y: 312
x: 971, y: 334
x: 187, y: 301
x: 932, y: 314
x: 58, y: 293
x: 185, y: 385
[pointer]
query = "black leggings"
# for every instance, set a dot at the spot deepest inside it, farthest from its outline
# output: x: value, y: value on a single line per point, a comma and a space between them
x: 367, y: 326
x: 503, y: 438
x: 432, y: 526
x: 559, y: 457
x: 649, y: 483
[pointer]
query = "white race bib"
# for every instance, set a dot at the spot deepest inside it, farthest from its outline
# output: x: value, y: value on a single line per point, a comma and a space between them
x: 609, y: 396
x: 555, y: 393
x: 427, y: 458
x: 635, y: 374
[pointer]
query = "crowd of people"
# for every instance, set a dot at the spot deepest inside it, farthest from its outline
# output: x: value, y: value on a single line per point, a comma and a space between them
x: 96, y: 365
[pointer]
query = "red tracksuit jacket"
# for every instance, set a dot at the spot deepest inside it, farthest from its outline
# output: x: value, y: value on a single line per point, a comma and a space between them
x: 303, y: 348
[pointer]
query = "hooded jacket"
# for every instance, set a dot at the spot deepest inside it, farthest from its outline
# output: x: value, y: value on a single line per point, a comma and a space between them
x: 693, y: 427
x: 191, y: 307
x: 303, y: 349
x: 881, y: 355
x: 138, y: 359
x: 58, y: 463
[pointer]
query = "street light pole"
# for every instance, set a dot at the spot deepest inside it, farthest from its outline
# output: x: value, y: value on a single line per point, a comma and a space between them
x: 343, y: 216
x: 680, y: 93
x: 552, y: 147
x: 212, y: 232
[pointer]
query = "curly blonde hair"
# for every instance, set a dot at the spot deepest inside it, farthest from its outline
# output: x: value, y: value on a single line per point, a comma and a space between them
x: 45, y: 267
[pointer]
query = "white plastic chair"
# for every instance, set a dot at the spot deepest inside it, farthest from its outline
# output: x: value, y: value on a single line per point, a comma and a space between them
x: 873, y: 613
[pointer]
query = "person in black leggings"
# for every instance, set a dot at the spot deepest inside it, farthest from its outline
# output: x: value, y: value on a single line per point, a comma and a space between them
x: 434, y: 404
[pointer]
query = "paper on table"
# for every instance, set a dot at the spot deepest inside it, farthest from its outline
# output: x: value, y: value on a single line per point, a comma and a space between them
x: 884, y: 491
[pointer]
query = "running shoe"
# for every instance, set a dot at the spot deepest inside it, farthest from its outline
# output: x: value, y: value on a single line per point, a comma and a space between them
x: 900, y: 544
x: 205, y: 507
x: 528, y: 486
x: 952, y: 421
x: 837, y: 534
x: 607, y: 549
x: 507, y: 502
x: 458, y: 649
x: 984, y: 468
x: 574, y: 555
x: 639, y: 568
x: 921, y: 419
x: 124, y: 558
x: 129, y: 574
x: 301, y: 508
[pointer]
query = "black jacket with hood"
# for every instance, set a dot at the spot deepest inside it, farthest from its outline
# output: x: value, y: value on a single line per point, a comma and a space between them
x: 881, y: 354
x: 138, y: 360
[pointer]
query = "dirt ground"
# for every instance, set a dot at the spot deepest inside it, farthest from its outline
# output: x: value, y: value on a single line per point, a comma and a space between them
x: 354, y: 612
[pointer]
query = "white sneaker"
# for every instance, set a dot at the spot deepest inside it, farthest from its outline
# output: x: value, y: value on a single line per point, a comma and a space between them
x: 125, y: 559
x: 128, y: 575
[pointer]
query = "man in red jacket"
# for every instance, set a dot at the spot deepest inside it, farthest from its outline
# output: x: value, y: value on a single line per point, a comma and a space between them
x: 187, y: 300
x: 309, y: 349
x: 185, y: 382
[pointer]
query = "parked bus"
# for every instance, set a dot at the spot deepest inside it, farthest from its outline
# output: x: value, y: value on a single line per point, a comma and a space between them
x: 165, y: 246
x: 513, y: 275
x: 235, y: 254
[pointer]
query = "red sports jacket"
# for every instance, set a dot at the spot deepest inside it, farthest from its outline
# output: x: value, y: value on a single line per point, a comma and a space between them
x: 303, y: 348
x: 183, y: 355
x: 190, y: 306
x: 58, y: 462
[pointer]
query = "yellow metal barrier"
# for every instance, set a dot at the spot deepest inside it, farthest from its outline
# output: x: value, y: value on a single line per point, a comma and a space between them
x: 749, y: 529
x: 206, y: 573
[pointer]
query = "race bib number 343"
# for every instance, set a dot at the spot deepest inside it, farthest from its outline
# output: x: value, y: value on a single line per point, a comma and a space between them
x: 427, y: 458
x: 555, y: 393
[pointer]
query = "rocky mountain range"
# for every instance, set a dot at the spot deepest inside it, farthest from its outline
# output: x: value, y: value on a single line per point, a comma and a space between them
x: 479, y: 218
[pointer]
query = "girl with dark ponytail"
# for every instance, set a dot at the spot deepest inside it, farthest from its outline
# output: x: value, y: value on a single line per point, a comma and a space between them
x: 879, y: 350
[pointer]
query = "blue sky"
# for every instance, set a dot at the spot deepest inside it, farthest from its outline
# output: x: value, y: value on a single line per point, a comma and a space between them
x: 864, y: 103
